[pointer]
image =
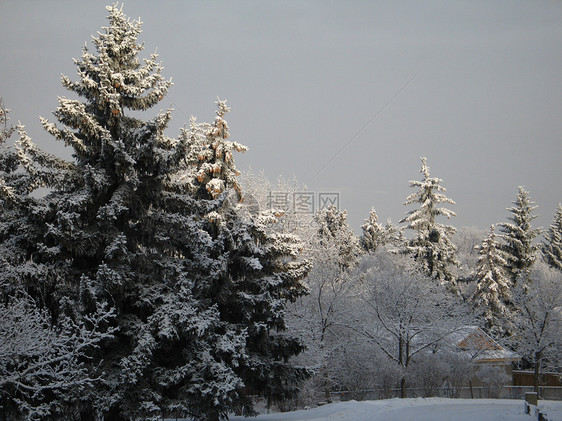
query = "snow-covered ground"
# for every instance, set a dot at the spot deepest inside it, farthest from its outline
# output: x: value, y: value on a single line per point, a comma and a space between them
x: 419, y: 409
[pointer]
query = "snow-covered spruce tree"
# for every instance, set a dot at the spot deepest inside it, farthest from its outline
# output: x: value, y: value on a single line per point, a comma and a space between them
x: 372, y: 232
x: 214, y: 156
x: 14, y: 186
x: 334, y: 232
x: 9, y: 180
x: 518, y: 236
x: 44, y: 367
x: 256, y: 270
x: 552, y: 244
x: 431, y: 247
x: 491, y: 296
x: 376, y: 235
x: 83, y: 244
x: 198, y: 291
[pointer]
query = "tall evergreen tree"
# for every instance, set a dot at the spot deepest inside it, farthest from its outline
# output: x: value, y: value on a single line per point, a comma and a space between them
x: 431, y: 247
x: 491, y: 296
x: 519, y: 235
x: 9, y: 177
x: 552, y: 244
x: 139, y: 220
x: 258, y: 270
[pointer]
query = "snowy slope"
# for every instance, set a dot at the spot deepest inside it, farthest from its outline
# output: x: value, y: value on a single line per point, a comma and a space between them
x: 420, y: 409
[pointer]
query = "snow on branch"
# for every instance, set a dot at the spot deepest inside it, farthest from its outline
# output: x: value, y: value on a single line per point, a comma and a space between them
x: 37, y: 359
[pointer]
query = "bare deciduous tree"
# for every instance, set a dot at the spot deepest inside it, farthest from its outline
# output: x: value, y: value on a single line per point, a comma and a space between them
x: 406, y: 314
x: 539, y: 319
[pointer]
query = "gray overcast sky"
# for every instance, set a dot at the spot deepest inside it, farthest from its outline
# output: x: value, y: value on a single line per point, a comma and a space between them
x: 302, y: 77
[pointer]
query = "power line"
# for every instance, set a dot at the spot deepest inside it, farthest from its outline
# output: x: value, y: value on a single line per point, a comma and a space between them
x: 364, y: 126
x: 176, y: 105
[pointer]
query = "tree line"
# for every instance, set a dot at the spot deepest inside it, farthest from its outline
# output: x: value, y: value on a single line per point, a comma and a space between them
x: 386, y: 307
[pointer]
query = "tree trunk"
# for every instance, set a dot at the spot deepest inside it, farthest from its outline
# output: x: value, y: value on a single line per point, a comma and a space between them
x: 327, y: 386
x: 537, y: 372
x: 403, y: 387
x: 401, y: 362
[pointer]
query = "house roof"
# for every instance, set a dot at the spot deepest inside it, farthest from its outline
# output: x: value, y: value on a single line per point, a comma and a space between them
x: 480, y: 347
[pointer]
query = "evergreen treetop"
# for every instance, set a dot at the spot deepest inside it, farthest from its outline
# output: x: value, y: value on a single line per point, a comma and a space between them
x: 372, y: 231
x: 335, y: 236
x: 215, y: 171
x: 432, y: 246
x: 376, y: 235
x: 428, y: 196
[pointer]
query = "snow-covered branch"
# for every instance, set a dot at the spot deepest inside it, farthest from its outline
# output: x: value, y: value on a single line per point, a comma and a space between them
x: 38, y: 360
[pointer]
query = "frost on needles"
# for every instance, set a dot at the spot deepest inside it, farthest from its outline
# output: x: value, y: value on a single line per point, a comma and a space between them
x: 431, y: 245
x: 135, y: 232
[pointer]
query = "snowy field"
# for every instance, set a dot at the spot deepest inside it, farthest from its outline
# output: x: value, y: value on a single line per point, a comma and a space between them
x: 419, y: 409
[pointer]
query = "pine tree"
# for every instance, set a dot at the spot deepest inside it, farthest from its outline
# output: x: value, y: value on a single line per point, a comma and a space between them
x: 334, y: 233
x: 431, y: 247
x: 11, y: 181
x: 8, y: 177
x: 215, y: 162
x: 376, y: 235
x: 258, y: 271
x: 492, y: 285
x: 518, y: 236
x: 552, y: 243
x: 16, y: 231
x: 139, y: 220
x: 372, y: 232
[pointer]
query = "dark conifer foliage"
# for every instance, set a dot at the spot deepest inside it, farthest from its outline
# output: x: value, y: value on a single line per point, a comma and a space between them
x: 519, y: 236
x: 194, y: 286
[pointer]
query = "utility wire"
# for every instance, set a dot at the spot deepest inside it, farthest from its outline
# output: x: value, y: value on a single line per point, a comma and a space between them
x: 340, y: 150
x: 176, y: 105
x: 364, y: 126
